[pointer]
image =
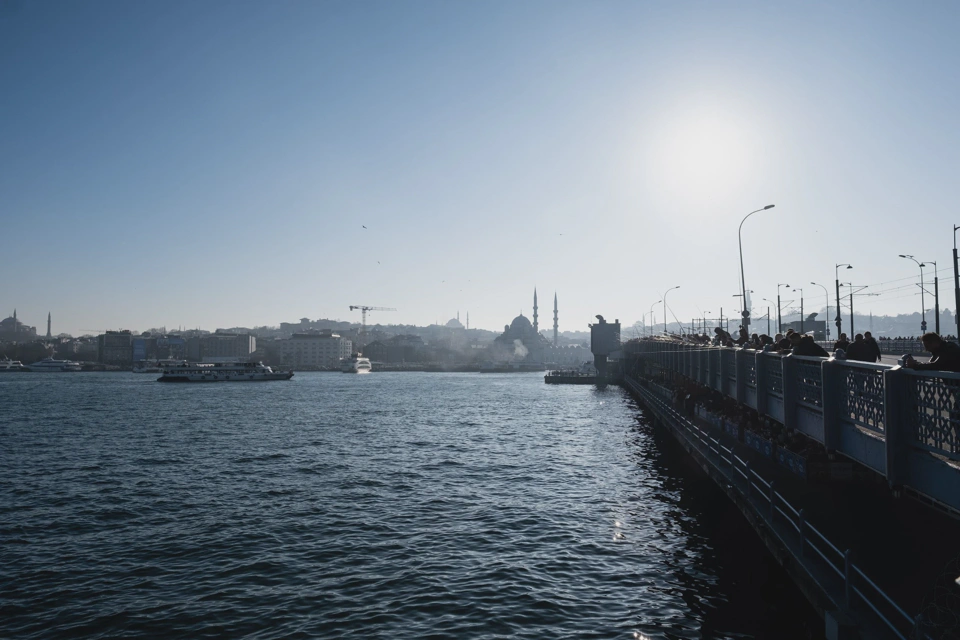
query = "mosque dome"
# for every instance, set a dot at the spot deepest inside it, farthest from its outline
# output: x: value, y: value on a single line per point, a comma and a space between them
x: 453, y: 323
x: 521, y: 325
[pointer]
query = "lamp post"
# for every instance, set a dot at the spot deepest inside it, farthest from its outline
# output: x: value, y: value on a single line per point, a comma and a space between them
x: 826, y: 324
x: 923, y: 310
x: 779, y: 318
x: 836, y: 274
x: 936, y: 296
x: 956, y: 282
x: 743, y: 282
x: 769, y: 302
x: 653, y: 318
x: 665, y: 307
x: 801, y: 307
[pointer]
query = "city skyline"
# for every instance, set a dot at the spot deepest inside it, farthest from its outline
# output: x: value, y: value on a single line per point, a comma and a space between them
x: 195, y: 165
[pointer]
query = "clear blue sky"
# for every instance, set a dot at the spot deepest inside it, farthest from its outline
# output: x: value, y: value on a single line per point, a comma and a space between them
x: 212, y: 163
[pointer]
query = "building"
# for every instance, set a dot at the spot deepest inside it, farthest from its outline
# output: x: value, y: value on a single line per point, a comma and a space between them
x: 811, y: 325
x: 12, y: 330
x: 115, y: 347
x: 314, y: 350
x: 220, y: 346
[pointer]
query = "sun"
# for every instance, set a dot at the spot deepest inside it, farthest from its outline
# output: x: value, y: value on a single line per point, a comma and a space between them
x: 703, y: 155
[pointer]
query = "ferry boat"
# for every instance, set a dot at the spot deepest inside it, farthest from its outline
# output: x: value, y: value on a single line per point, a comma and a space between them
x: 51, y: 365
x: 7, y: 365
x: 221, y: 372
x: 155, y: 366
x: 355, y: 364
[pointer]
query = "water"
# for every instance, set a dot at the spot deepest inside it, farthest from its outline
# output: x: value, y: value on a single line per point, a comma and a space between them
x: 408, y: 505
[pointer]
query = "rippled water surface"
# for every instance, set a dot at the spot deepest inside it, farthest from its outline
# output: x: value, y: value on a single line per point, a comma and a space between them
x: 392, y: 504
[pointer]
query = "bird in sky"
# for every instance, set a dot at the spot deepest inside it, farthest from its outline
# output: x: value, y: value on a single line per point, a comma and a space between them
x: 364, y: 226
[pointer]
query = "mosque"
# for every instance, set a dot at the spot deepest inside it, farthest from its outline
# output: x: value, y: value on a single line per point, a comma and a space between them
x: 522, y: 340
x: 12, y: 330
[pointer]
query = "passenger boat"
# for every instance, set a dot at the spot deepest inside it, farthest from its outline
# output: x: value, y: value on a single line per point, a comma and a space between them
x: 51, y: 365
x: 155, y: 366
x: 7, y: 365
x: 355, y: 364
x: 221, y: 372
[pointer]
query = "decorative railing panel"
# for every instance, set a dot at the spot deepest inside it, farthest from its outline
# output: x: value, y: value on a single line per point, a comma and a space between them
x: 809, y: 383
x: 750, y: 369
x: 730, y: 363
x: 774, y: 376
x: 862, y: 399
x: 935, y: 424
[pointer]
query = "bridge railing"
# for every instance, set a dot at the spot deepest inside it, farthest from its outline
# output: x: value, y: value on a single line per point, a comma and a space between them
x: 903, y: 424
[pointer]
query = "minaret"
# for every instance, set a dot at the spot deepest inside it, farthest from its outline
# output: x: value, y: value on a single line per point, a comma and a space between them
x: 468, y: 319
x: 48, y: 325
x: 555, y: 323
x: 536, y: 325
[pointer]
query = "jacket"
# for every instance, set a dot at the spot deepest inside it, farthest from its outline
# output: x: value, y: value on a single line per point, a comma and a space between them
x: 874, y: 348
x: 860, y: 350
x: 946, y: 358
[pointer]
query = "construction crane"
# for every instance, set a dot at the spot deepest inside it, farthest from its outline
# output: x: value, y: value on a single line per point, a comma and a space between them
x: 364, y: 308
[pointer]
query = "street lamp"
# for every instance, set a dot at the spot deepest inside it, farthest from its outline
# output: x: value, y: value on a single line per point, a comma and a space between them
x: 923, y: 311
x: 743, y: 282
x: 936, y: 296
x: 801, y: 307
x: 652, y: 317
x: 826, y: 324
x: 769, y: 302
x: 836, y: 275
x: 779, y: 318
x: 665, y: 307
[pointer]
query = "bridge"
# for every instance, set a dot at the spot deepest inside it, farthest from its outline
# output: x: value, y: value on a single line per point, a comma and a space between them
x: 899, y: 426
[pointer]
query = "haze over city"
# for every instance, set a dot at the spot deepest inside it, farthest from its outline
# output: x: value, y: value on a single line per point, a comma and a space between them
x: 242, y: 164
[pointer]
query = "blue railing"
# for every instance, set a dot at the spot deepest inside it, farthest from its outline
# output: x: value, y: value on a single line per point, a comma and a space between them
x: 846, y: 583
x: 903, y: 424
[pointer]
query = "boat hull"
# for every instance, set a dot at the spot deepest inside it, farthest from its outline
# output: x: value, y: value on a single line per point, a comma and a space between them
x: 238, y: 377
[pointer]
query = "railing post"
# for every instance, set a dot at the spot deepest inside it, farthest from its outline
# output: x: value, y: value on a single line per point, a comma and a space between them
x: 772, y: 496
x: 704, y: 356
x: 803, y: 535
x: 790, y: 391
x: 896, y: 405
x: 741, y: 363
x: 723, y: 371
x: 761, y: 369
x: 846, y: 576
x: 833, y: 387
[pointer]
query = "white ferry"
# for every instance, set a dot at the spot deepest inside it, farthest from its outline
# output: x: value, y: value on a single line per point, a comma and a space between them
x: 7, y: 365
x: 221, y: 372
x: 49, y: 364
x: 355, y: 364
x: 155, y: 366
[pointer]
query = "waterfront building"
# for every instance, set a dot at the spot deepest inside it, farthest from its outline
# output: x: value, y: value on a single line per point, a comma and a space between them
x: 12, y: 330
x: 314, y: 350
x: 115, y: 347
x: 221, y: 345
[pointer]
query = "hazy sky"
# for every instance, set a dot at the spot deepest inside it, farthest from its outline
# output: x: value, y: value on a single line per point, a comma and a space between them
x: 213, y: 163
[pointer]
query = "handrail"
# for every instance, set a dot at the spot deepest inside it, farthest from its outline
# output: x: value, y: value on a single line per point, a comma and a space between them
x: 881, y: 592
x: 843, y: 568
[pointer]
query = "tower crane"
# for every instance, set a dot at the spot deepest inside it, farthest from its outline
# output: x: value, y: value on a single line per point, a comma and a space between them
x: 363, y: 309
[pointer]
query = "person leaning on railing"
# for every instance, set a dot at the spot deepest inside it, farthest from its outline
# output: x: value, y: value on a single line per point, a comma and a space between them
x: 946, y: 355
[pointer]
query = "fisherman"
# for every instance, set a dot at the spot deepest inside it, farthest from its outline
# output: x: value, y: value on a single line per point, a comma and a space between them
x: 946, y: 355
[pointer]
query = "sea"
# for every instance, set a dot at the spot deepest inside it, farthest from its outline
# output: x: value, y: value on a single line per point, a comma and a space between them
x: 388, y: 505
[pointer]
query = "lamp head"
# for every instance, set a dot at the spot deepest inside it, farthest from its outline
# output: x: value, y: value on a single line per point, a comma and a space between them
x: 849, y: 266
x: 769, y: 206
